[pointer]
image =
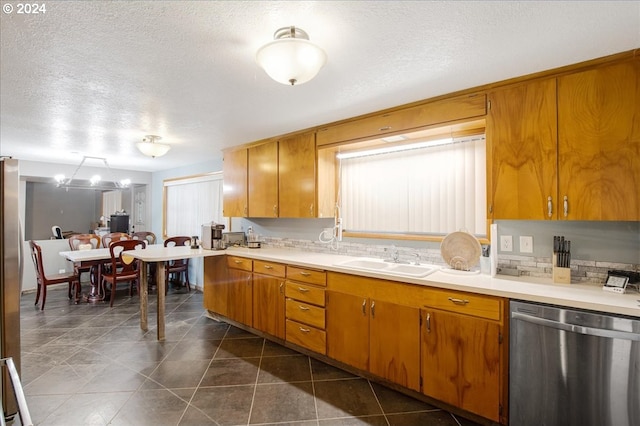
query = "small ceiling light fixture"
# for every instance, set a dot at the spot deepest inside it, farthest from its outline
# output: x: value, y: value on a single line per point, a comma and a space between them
x: 291, y: 58
x: 151, y: 148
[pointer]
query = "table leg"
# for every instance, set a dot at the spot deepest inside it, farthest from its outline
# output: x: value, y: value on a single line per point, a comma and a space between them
x: 144, y: 297
x: 160, y: 271
x: 95, y: 276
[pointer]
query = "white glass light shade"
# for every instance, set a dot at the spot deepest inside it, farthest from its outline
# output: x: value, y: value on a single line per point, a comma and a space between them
x: 291, y: 60
x: 153, y: 149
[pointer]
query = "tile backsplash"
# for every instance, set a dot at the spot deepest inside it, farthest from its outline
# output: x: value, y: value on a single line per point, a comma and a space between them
x: 583, y: 271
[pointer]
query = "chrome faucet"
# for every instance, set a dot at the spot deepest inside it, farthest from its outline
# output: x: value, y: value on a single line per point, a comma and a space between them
x: 395, y: 254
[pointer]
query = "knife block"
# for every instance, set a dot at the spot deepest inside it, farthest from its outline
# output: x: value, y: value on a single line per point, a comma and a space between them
x: 560, y: 275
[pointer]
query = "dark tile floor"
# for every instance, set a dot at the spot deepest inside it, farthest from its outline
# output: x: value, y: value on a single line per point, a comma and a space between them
x: 91, y: 365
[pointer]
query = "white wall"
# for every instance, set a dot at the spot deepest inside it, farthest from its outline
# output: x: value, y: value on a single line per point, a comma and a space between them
x: 51, y: 259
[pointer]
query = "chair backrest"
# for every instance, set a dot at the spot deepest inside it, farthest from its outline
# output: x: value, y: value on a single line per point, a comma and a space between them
x: 150, y: 237
x: 75, y: 241
x: 117, y: 251
x: 36, y: 256
x: 57, y: 232
x: 107, y: 239
x: 177, y: 241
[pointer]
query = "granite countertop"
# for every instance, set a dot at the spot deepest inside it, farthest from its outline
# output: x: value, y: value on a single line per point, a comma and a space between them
x: 583, y: 296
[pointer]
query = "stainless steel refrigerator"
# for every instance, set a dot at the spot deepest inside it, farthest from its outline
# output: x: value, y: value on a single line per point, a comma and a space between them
x: 9, y: 277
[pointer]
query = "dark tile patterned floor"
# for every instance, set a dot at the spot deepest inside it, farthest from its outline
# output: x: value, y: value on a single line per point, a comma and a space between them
x: 92, y: 365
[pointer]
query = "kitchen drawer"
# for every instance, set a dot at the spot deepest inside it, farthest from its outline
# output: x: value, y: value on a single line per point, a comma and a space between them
x: 310, y: 276
x: 269, y: 268
x: 305, y: 313
x: 240, y: 263
x: 467, y: 303
x: 307, y: 337
x: 305, y: 293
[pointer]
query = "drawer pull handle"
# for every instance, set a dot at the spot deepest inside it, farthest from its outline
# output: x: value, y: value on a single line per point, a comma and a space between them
x: 303, y: 308
x: 364, y: 307
x: 268, y: 267
x: 373, y: 309
x: 458, y: 301
x: 282, y: 288
x: 428, y: 323
x: 305, y: 274
x: 237, y: 262
x: 304, y: 330
x: 303, y: 290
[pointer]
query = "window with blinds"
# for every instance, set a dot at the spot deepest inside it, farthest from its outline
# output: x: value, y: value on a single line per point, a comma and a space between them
x: 191, y: 202
x: 428, y: 190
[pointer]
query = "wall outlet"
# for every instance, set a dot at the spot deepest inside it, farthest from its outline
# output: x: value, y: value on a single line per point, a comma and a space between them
x: 506, y: 243
x: 526, y: 244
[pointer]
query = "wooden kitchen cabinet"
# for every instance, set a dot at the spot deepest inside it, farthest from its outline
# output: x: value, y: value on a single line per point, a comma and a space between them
x: 404, y: 119
x: 599, y: 143
x: 297, y: 176
x: 216, y: 285
x: 522, y: 146
x: 305, y: 308
x: 263, y: 180
x: 240, y: 290
x: 268, y: 298
x: 375, y: 335
x: 465, y: 352
x: 234, y: 192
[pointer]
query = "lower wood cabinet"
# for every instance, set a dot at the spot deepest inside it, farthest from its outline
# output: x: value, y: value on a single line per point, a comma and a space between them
x: 268, y: 298
x: 449, y: 345
x: 240, y: 290
x: 376, y: 336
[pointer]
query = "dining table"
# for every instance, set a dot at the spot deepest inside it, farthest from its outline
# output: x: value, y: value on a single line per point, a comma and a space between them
x: 154, y: 253
x: 93, y: 258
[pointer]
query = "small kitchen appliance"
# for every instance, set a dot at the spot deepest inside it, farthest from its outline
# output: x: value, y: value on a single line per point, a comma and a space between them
x: 212, y: 236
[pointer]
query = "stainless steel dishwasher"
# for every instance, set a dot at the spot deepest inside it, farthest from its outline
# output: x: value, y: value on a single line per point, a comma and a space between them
x: 572, y: 367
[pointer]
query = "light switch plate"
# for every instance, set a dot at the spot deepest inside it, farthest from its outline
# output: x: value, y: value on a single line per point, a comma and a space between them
x: 526, y: 244
x: 506, y: 243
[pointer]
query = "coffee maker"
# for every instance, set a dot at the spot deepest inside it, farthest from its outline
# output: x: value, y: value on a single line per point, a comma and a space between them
x: 212, y: 236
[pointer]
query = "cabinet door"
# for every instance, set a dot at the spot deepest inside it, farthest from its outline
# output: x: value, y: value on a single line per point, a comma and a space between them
x: 461, y: 362
x: 348, y: 329
x: 216, y: 288
x: 240, y: 297
x: 263, y: 180
x: 268, y: 304
x: 234, y: 193
x: 297, y: 176
x: 522, y: 143
x: 599, y: 143
x: 395, y: 343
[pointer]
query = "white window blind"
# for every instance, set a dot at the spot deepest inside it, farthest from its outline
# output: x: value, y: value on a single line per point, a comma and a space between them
x: 111, y: 203
x: 434, y: 190
x: 191, y: 202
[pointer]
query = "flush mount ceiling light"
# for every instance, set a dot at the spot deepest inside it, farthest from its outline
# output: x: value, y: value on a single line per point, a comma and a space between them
x: 291, y: 58
x: 151, y: 148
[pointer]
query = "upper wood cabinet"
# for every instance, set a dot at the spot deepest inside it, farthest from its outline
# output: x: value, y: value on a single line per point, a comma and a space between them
x: 234, y: 193
x: 297, y: 176
x: 263, y: 180
x: 567, y: 147
x: 521, y: 146
x: 428, y: 114
x: 599, y: 143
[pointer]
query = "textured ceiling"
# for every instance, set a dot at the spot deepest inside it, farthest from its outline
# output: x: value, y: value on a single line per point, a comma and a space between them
x: 93, y: 77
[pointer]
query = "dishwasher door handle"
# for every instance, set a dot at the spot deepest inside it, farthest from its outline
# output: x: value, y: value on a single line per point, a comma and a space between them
x: 591, y: 331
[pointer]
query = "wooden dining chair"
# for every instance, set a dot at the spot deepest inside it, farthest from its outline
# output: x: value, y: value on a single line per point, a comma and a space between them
x: 123, y: 268
x: 44, y: 280
x: 114, y: 236
x: 149, y: 237
x: 178, y: 266
x: 84, y: 242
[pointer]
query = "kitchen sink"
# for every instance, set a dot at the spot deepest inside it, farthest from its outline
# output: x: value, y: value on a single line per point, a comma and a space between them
x: 388, y: 268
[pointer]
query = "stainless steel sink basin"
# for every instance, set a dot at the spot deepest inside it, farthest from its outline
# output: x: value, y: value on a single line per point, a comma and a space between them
x: 388, y: 268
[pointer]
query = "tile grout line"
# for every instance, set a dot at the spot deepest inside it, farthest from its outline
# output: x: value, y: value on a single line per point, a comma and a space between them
x: 386, y: 419
x: 255, y: 385
x: 313, y: 389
